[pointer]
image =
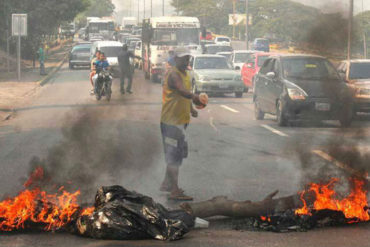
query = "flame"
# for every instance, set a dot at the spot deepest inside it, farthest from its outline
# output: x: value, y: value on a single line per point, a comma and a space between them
x: 354, y: 206
x: 87, y: 211
x: 35, y: 205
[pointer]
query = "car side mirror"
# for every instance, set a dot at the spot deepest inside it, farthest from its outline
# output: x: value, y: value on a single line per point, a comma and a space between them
x: 271, y: 75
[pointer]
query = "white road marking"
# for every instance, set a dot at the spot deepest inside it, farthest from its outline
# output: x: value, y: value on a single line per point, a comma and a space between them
x: 212, y: 124
x: 337, y: 163
x: 275, y: 131
x: 229, y: 108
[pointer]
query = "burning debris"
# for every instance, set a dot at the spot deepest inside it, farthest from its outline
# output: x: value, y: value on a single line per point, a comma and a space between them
x: 117, y: 213
x: 125, y: 215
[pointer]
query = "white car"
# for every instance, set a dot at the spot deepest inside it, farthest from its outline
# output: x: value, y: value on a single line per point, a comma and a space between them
x: 240, y: 57
x: 223, y: 41
x: 111, y: 50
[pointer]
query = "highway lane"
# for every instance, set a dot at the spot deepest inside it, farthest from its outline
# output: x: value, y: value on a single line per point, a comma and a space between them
x: 231, y: 154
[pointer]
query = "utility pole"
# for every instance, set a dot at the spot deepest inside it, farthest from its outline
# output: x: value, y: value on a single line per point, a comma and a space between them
x: 234, y: 8
x: 177, y: 7
x: 364, y: 31
x: 350, y: 22
x: 138, y: 11
x: 247, y: 23
x: 162, y: 7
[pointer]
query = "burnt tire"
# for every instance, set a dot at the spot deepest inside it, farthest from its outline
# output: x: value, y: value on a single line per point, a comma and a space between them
x: 281, y: 119
x: 258, y: 113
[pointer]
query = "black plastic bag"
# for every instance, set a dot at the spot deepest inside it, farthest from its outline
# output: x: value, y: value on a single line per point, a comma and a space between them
x: 125, y: 215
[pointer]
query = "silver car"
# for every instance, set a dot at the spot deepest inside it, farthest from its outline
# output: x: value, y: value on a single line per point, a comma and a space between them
x: 80, y: 56
x: 213, y: 74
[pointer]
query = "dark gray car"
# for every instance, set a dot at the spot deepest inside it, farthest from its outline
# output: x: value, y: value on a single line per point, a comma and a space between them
x: 80, y: 56
x: 301, y: 87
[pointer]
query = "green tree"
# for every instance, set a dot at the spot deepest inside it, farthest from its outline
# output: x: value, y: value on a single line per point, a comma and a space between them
x: 44, y: 18
x: 97, y: 8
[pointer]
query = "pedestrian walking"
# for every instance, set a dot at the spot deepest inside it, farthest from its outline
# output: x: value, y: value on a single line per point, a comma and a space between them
x: 126, y: 70
x: 177, y: 107
x: 41, y: 54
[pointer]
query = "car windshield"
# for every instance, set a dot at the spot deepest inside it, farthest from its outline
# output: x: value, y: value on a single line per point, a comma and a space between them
x: 215, y: 49
x: 261, y: 60
x: 175, y: 36
x: 111, y: 51
x: 211, y: 63
x: 359, y: 71
x: 308, y: 68
x: 242, y: 57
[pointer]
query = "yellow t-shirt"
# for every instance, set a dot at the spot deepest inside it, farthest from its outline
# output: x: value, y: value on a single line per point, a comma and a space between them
x: 176, y: 108
x: 92, y: 63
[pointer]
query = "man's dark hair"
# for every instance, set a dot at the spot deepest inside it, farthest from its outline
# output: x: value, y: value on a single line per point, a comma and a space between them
x: 102, y: 53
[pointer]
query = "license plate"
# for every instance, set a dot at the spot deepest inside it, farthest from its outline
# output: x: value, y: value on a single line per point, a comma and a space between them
x: 223, y: 86
x: 322, y: 106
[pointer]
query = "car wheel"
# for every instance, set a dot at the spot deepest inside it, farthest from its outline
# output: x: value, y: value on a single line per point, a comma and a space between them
x: 258, y: 114
x: 154, y: 78
x: 346, y: 118
x: 280, y: 114
x: 246, y: 89
x: 71, y: 66
x: 238, y: 94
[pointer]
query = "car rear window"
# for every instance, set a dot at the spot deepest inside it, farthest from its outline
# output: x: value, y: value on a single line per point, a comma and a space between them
x: 223, y: 39
x: 359, y: 71
x: 242, y: 57
x: 82, y: 50
x: 215, y: 49
x: 111, y: 51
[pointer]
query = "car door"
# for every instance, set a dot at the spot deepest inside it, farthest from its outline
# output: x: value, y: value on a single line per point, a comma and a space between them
x: 261, y: 82
x: 274, y: 86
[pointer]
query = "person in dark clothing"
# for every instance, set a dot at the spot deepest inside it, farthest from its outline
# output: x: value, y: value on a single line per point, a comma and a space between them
x: 125, y: 68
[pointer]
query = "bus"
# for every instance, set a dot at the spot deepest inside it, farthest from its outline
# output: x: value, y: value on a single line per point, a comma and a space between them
x: 100, y: 27
x: 161, y: 34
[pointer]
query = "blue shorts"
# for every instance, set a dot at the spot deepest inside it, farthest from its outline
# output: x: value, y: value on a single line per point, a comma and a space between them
x: 174, y: 143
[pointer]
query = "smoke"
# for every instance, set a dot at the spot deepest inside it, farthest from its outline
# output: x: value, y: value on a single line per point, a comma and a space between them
x: 347, y: 159
x: 95, y: 151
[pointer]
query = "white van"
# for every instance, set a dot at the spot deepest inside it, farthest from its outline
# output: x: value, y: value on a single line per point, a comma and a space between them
x: 111, y: 50
x: 223, y: 40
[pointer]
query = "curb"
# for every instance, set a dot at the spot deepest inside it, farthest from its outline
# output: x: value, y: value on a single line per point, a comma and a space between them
x: 45, y: 80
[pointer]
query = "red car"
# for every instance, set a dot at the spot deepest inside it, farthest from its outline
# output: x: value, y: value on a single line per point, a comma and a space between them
x: 252, y: 66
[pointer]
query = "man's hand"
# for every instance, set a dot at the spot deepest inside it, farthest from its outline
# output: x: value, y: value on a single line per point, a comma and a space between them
x: 194, y: 113
x: 196, y: 100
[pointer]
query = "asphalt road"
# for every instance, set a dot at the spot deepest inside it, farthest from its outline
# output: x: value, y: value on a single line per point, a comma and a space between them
x: 231, y: 154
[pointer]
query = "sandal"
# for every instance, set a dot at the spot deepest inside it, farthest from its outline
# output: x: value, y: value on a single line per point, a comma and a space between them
x: 179, y: 196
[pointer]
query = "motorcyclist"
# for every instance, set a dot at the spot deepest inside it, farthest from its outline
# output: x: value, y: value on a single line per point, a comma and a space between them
x: 93, y: 69
x: 101, y: 64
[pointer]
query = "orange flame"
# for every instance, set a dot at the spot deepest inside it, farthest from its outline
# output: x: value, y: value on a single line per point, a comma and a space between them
x: 353, y: 207
x: 53, y: 210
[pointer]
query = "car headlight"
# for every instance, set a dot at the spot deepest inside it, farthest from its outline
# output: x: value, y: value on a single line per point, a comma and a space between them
x: 296, y: 94
x: 204, y: 78
x: 237, y: 78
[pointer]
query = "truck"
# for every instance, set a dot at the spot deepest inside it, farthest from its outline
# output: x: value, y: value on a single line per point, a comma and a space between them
x: 100, y: 28
x: 162, y: 34
x: 129, y: 22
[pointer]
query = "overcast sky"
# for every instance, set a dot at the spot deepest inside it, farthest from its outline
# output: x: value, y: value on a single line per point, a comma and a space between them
x: 324, y: 5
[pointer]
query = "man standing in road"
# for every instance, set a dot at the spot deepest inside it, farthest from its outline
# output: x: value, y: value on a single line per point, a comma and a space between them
x: 176, y: 110
x: 41, y: 54
x: 126, y: 68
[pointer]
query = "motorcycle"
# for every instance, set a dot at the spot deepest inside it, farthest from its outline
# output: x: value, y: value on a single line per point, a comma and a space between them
x: 103, y: 85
